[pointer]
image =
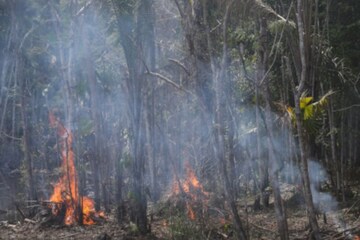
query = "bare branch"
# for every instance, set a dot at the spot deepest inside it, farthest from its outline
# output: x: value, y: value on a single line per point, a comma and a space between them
x: 301, y: 31
x: 158, y: 75
x: 276, y: 48
x: 166, y: 79
x: 180, y: 64
x: 346, y: 108
x: 179, y: 8
x: 83, y: 9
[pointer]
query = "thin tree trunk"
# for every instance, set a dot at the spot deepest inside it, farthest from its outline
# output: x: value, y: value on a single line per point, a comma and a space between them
x: 278, y: 202
x: 97, y: 167
x: 302, y: 138
x: 342, y: 155
x: 26, y: 142
x: 335, y: 162
x: 262, y: 161
x: 139, y: 55
x: 274, y: 160
x: 120, y: 211
x: 221, y: 120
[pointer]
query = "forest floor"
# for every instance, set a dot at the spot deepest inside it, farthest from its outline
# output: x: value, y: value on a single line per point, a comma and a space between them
x: 261, y: 225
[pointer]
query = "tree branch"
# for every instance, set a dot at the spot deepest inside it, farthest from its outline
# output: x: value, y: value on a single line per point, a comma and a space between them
x: 180, y: 64
x: 346, y: 108
x: 179, y: 8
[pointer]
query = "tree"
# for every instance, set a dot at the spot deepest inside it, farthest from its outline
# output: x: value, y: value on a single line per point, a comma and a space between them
x: 136, y: 35
x: 146, y: 86
x: 298, y: 91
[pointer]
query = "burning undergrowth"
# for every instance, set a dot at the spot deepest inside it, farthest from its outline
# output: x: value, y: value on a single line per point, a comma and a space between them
x: 192, y: 192
x: 188, y: 211
x: 66, y: 203
x: 187, y: 199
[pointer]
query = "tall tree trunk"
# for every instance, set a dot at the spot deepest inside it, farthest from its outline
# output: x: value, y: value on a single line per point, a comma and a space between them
x: 139, y: 48
x: 221, y: 118
x: 335, y: 162
x: 262, y: 161
x: 299, y: 121
x: 26, y: 139
x: 274, y: 176
x: 274, y: 160
x: 65, y: 66
x: 90, y: 74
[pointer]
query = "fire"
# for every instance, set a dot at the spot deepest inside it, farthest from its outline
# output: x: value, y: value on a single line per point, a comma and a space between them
x: 192, y: 187
x: 191, y: 213
x: 191, y: 184
x: 66, y: 189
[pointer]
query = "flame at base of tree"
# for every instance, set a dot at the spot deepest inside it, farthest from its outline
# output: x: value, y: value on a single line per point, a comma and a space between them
x: 66, y: 189
x: 193, y: 190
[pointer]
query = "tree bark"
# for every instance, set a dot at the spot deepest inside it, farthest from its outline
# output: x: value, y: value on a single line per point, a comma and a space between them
x: 301, y: 134
x: 221, y: 120
x: 26, y: 140
x: 90, y: 74
x: 262, y: 56
x: 137, y: 39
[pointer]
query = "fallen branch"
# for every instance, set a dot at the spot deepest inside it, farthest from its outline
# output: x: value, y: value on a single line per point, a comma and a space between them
x: 222, y: 234
x: 29, y: 220
x: 352, y: 206
x: 345, y: 232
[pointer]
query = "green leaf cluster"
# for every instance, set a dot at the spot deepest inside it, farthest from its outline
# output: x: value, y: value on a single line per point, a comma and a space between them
x: 312, y: 112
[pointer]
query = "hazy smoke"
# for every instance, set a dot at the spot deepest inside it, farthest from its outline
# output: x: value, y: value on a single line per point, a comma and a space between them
x: 323, y: 200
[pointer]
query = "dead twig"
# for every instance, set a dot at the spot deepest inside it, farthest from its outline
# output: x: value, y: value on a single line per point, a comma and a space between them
x: 19, y: 210
x: 352, y: 206
x: 29, y: 221
x: 345, y: 232
x: 222, y: 234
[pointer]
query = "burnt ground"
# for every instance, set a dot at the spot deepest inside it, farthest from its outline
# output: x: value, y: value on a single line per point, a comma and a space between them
x: 261, y: 225
x: 169, y: 219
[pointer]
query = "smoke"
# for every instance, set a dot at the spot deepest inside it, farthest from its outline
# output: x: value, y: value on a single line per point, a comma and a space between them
x: 323, y: 200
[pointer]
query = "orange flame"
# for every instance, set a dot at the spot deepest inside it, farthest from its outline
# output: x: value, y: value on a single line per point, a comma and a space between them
x: 190, y: 212
x: 66, y: 189
x: 192, y: 187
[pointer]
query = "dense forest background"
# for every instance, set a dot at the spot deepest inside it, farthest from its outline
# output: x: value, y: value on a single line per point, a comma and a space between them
x: 253, y: 96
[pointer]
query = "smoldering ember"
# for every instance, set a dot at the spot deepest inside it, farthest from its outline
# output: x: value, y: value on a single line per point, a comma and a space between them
x: 180, y: 119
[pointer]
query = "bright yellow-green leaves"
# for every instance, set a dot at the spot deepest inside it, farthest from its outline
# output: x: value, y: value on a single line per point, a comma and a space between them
x: 304, y: 101
x: 312, y: 112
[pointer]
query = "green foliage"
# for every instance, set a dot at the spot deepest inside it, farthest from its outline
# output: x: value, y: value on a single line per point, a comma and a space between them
x: 312, y: 112
x: 281, y: 25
